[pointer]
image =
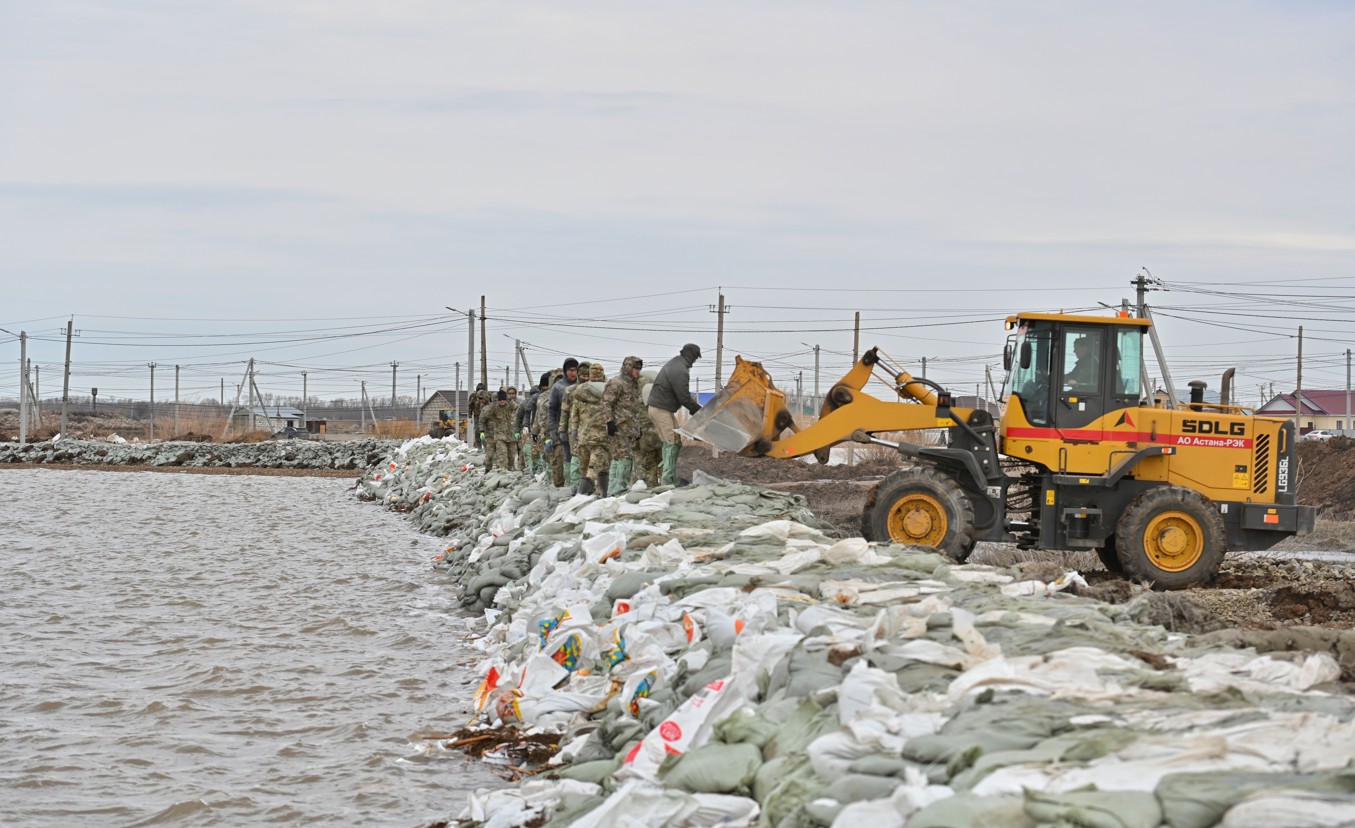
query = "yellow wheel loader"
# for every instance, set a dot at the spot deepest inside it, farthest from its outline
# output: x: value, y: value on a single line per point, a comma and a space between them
x: 1082, y: 458
x: 447, y: 425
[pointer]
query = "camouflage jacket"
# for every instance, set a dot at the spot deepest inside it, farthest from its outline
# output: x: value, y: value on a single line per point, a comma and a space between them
x: 478, y: 402
x: 621, y: 402
x: 541, y: 419
x: 497, y: 421
x: 592, y: 425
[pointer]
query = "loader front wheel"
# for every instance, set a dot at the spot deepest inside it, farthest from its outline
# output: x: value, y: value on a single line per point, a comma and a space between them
x: 920, y: 507
x: 1171, y: 536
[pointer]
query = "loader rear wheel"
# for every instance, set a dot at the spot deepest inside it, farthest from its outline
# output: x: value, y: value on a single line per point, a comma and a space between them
x: 1171, y: 536
x: 920, y: 507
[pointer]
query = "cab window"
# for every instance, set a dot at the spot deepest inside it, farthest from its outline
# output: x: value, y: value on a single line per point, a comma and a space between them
x: 1128, y: 363
x: 1030, y: 379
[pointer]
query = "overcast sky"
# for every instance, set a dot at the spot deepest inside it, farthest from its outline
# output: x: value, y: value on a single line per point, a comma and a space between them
x: 191, y: 178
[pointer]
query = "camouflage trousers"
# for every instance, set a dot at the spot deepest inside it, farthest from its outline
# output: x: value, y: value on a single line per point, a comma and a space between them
x: 530, y: 454
x: 556, y: 456
x: 648, y: 457
x: 500, y: 454
x: 594, y: 458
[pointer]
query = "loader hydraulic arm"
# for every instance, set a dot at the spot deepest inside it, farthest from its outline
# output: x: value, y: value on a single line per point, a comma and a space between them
x: 750, y: 416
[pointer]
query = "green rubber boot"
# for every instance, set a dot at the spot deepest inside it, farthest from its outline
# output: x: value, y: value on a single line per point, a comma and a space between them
x: 620, y: 477
x: 572, y: 472
x: 668, y: 475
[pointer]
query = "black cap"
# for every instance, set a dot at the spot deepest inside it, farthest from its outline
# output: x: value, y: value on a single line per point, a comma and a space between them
x: 480, y: 386
x: 571, y: 362
x: 545, y: 380
x: 503, y: 395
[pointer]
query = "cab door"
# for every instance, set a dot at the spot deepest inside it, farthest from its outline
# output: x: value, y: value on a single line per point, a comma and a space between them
x: 1082, y: 395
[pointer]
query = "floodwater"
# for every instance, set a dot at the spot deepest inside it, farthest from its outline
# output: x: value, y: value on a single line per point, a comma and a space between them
x: 181, y: 649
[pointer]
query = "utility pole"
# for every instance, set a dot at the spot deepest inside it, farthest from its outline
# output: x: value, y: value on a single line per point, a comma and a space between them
x: 363, y: 405
x: 249, y: 380
x: 1140, y: 284
x: 505, y: 377
x: 151, y: 365
x: 484, y: 350
x: 176, y: 400
x: 305, y: 397
x: 988, y: 376
x: 517, y: 363
x: 1298, y: 394
x: 526, y: 369
x: 456, y: 400
x: 856, y: 339
x: 720, y: 309
x: 37, y: 395
x: 418, y: 399
x: 817, y: 405
x: 924, y: 367
x: 394, y: 365
x: 66, y: 383
x: 470, y: 350
x: 1349, y: 424
x: 223, y: 392
x: 23, y: 387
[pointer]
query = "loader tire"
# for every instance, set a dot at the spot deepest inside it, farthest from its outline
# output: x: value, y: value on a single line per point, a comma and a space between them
x: 1172, y: 537
x: 1110, y: 556
x: 920, y: 507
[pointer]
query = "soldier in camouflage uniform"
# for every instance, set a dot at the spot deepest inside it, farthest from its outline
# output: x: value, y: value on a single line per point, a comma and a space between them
x: 594, y: 447
x: 522, y: 425
x: 622, y: 410
x: 513, y: 403
x: 476, y: 407
x: 497, y: 422
x: 568, y: 424
x: 540, y: 436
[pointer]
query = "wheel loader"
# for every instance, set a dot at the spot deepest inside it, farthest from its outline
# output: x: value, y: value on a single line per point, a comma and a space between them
x: 447, y: 425
x: 1083, y: 457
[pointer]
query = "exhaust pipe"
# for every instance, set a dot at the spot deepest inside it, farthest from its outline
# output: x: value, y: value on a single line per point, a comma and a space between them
x: 1226, y: 386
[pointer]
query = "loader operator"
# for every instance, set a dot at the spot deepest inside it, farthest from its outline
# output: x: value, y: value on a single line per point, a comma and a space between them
x: 671, y: 391
x: 1085, y: 373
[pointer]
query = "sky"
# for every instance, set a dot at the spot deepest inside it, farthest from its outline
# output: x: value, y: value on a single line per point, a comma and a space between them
x: 314, y: 183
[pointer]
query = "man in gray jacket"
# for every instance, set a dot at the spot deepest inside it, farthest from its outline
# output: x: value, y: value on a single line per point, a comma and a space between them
x: 671, y: 391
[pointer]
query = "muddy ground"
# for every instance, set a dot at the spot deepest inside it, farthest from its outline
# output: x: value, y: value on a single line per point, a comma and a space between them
x: 1254, y: 591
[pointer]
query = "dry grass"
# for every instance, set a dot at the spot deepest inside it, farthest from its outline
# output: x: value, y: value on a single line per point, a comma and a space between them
x: 995, y: 554
x: 398, y: 429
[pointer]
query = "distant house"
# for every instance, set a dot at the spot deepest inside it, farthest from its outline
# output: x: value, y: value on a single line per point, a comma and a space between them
x: 443, y: 400
x: 268, y: 418
x: 1321, y: 409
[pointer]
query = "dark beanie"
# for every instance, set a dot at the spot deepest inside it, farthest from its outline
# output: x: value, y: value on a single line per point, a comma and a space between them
x: 545, y: 380
x: 571, y: 362
x: 503, y: 395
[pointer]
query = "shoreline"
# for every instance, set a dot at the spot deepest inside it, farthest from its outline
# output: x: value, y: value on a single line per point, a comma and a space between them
x: 263, y: 471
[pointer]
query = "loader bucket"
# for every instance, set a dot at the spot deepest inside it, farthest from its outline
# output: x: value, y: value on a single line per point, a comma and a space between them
x: 744, y: 412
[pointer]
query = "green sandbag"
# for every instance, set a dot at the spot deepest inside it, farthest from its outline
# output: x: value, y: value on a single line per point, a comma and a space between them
x: 746, y: 726
x: 1198, y: 800
x: 965, y: 810
x: 1092, y: 808
x: 714, y: 768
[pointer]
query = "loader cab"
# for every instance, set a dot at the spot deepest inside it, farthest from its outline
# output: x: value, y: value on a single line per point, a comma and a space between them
x: 1070, y: 371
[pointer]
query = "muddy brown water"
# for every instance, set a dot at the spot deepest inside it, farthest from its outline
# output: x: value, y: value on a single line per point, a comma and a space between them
x: 223, y: 650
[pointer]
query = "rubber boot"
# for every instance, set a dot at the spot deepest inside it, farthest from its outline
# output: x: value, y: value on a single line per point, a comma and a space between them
x: 604, y: 480
x: 620, y: 477
x: 572, y: 472
x: 669, y: 464
x: 586, y: 486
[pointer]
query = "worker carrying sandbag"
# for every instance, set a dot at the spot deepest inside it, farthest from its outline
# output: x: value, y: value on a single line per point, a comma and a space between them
x: 671, y: 391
